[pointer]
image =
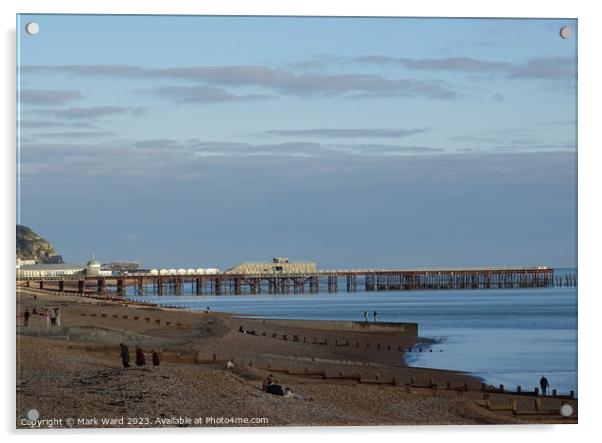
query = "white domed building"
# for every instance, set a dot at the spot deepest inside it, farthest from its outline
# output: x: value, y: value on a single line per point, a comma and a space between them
x: 92, y: 268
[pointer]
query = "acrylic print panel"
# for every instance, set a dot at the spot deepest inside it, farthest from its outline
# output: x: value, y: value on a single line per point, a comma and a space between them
x: 269, y: 221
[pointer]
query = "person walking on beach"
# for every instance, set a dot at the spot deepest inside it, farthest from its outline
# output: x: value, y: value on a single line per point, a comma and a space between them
x: 375, y: 315
x: 365, y: 316
x: 125, y: 355
x: 140, y: 357
x: 155, y: 356
x: 26, y: 317
x: 52, y: 317
x: 46, y: 315
x: 544, y: 385
x: 57, y: 313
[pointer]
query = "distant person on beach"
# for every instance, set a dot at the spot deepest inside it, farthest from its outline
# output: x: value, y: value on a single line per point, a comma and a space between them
x: 26, y: 317
x: 544, y: 385
x: 155, y: 357
x: 52, y: 317
x: 275, y: 389
x: 125, y: 355
x: 57, y: 313
x: 140, y: 357
x: 267, y: 382
x: 46, y: 315
x: 366, y: 316
x: 375, y: 315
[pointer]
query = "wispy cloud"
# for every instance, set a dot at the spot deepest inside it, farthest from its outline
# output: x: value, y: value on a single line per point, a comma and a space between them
x: 74, y: 134
x: 517, y: 139
x: 464, y: 64
x: 37, y: 124
x: 116, y: 157
x: 48, y: 96
x: 548, y: 68
x: 345, y: 132
x: 278, y: 80
x: 202, y: 94
x: 382, y: 150
x: 88, y: 112
x: 200, y: 148
x: 561, y: 123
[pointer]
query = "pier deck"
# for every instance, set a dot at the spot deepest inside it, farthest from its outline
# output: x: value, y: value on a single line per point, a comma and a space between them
x: 349, y: 280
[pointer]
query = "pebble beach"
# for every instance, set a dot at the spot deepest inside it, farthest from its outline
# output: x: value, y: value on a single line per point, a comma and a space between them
x: 213, y: 365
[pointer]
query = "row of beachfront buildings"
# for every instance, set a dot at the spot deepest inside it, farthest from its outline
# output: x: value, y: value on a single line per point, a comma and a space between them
x: 30, y: 269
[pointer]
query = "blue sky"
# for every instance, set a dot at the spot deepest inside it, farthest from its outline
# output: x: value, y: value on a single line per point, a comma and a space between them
x: 206, y: 141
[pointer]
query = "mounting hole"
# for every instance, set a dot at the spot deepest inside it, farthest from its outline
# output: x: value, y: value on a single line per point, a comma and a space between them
x: 32, y: 28
x: 565, y: 32
x: 33, y: 414
x: 566, y: 410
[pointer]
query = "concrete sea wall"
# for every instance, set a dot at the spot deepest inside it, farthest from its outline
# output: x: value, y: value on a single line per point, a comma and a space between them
x: 404, y: 329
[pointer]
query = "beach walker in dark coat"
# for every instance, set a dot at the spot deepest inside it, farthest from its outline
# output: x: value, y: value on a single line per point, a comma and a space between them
x: 140, y: 357
x: 125, y: 355
x: 544, y: 385
x: 155, y: 356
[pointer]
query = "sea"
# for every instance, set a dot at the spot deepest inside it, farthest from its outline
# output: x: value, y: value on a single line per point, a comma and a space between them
x: 503, y: 336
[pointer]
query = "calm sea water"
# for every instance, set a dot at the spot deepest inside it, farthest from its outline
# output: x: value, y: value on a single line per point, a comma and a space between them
x: 504, y: 336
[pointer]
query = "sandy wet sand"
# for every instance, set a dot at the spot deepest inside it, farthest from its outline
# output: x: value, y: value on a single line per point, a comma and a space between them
x: 74, y: 371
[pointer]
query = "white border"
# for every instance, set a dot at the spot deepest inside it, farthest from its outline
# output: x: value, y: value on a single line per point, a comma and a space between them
x: 589, y: 200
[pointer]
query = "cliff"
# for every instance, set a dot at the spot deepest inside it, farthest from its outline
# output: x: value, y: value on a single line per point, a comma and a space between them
x: 30, y: 246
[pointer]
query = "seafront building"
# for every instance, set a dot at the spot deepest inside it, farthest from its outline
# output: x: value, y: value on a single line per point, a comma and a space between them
x: 92, y: 268
x: 278, y: 265
x: 49, y: 270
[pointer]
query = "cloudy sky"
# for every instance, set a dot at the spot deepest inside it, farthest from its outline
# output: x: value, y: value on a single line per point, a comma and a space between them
x: 207, y: 141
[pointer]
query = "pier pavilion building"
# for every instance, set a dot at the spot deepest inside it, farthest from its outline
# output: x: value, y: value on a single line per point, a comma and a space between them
x: 278, y: 265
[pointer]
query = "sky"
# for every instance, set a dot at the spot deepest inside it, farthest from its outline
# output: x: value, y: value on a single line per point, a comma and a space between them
x: 187, y: 141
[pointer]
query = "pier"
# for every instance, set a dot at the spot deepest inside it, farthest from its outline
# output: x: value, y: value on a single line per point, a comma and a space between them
x: 332, y: 281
